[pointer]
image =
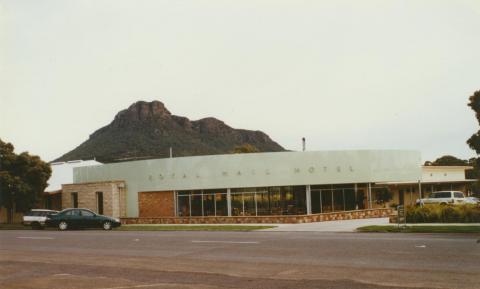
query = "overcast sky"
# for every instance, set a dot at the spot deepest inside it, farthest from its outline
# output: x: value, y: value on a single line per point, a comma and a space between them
x: 344, y: 74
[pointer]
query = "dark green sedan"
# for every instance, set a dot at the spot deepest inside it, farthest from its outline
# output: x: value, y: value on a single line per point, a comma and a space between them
x: 80, y: 218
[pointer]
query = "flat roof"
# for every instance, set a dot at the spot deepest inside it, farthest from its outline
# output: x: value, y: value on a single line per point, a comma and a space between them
x: 255, y: 170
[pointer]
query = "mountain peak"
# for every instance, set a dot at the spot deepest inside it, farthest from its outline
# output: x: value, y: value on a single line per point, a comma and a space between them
x: 142, y: 110
x: 149, y: 130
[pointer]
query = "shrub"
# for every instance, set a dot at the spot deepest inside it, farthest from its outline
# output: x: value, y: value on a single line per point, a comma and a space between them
x: 443, y: 214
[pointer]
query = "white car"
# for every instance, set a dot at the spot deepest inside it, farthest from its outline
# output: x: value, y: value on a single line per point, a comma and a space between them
x: 444, y: 198
x: 472, y: 200
x: 36, y: 218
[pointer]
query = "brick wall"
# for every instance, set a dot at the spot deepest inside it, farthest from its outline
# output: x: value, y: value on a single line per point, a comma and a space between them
x: 114, y: 197
x: 349, y: 215
x: 156, y: 204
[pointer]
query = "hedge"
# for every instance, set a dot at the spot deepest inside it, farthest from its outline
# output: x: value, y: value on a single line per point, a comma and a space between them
x: 443, y: 214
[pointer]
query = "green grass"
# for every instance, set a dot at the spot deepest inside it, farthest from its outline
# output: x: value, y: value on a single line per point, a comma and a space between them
x: 190, y: 228
x: 420, y: 229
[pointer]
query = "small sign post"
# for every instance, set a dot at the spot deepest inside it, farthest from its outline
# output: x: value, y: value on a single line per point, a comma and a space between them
x: 401, y: 217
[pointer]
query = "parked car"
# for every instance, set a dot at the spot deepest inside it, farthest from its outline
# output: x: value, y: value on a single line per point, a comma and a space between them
x: 81, y: 218
x: 443, y: 198
x: 472, y: 200
x: 36, y: 218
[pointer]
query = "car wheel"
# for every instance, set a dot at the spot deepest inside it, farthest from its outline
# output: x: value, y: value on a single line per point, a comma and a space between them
x: 107, y: 226
x: 62, y: 225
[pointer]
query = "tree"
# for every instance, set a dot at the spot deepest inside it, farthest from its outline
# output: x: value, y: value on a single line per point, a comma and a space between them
x: 447, y: 160
x: 474, y: 140
x: 472, y: 174
x: 23, y: 178
x: 244, y: 149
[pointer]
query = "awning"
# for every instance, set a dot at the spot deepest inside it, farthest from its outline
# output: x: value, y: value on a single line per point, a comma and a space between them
x: 427, y: 182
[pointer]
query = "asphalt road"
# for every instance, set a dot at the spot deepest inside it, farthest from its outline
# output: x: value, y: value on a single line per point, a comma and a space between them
x: 122, y: 260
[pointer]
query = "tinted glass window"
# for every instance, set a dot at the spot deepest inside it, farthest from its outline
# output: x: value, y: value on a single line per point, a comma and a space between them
x: 72, y: 213
x: 87, y: 213
x: 458, y: 195
x: 444, y: 195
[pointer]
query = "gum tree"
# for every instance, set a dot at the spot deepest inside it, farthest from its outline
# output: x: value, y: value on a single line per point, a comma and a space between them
x: 474, y: 140
x: 23, y: 178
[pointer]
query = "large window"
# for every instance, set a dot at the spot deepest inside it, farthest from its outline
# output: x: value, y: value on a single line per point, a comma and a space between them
x: 183, y: 204
x: 237, y: 204
x: 197, y: 204
x: 221, y: 204
x: 202, y: 203
x: 209, y: 205
x: 264, y: 202
x: 249, y: 204
x: 326, y: 200
x: 332, y: 198
x: 289, y: 200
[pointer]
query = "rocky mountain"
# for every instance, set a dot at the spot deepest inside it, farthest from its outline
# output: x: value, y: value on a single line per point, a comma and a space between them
x: 147, y: 130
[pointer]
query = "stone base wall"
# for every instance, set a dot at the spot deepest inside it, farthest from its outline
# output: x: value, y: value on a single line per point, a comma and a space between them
x: 349, y: 215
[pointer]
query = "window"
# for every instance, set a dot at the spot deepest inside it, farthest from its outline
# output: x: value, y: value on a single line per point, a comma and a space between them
x: 458, y: 195
x: 244, y: 201
x: 99, y: 202
x: 74, y: 200
x: 86, y: 213
x: 209, y: 205
x: 221, y: 204
x: 183, y: 205
x: 444, y: 195
x: 197, y: 203
x: 237, y: 204
x: 73, y: 213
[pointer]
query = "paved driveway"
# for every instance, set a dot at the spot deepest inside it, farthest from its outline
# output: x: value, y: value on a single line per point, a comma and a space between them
x: 330, y: 226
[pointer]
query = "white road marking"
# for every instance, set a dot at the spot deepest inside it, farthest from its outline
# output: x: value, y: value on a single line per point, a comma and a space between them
x: 136, y: 240
x: 36, y: 238
x: 226, y: 242
x: 62, y: 274
x: 138, y: 286
x: 420, y: 246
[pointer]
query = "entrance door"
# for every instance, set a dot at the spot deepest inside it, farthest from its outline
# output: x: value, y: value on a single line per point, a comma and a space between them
x: 401, y: 197
x: 361, y: 199
x: 100, y: 203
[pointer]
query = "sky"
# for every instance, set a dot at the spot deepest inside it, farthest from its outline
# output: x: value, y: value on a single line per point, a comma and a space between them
x: 343, y: 74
